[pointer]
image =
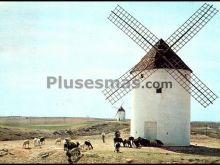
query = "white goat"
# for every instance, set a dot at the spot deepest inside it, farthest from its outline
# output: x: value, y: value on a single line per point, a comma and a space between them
x: 37, y: 142
x: 58, y: 140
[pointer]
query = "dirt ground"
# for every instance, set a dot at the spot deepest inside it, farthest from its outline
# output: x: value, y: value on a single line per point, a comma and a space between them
x: 203, y: 149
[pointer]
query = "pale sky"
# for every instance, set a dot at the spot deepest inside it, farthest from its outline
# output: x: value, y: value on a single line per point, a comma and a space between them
x: 76, y: 40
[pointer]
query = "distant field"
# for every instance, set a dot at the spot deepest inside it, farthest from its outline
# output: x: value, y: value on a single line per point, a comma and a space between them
x: 49, y: 126
x: 46, y: 123
x: 22, y: 120
x: 211, y: 129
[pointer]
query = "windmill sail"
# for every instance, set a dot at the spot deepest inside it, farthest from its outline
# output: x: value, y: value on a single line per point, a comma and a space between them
x: 193, y: 85
x: 191, y: 27
x: 132, y: 28
x: 147, y: 41
x: 141, y: 36
x: 127, y: 82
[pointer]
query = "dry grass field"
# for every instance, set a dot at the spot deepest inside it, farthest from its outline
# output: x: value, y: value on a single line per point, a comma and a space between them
x: 203, y: 149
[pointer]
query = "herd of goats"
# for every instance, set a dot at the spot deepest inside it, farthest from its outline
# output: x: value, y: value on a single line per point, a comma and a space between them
x: 72, y: 149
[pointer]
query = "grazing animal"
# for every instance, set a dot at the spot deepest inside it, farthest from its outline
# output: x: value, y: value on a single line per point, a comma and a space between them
x: 26, y: 142
x: 37, y: 142
x: 70, y: 145
x: 119, y: 140
x: 144, y: 142
x: 117, y: 147
x: 137, y: 143
x: 131, y: 138
x: 88, y: 144
x: 159, y: 143
x: 58, y: 140
x: 42, y: 140
x: 127, y: 143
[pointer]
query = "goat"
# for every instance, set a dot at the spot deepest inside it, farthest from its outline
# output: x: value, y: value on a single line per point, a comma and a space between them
x: 127, y: 143
x: 141, y: 142
x: 26, y: 142
x: 136, y: 142
x: 70, y: 145
x: 160, y: 143
x: 117, y: 147
x: 131, y: 138
x: 119, y: 140
x: 144, y: 142
x: 58, y: 140
x: 88, y: 144
x: 42, y: 140
x: 37, y: 142
x: 117, y: 134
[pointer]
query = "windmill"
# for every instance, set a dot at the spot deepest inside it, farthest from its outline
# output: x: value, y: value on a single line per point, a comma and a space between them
x: 120, y: 114
x: 162, y: 114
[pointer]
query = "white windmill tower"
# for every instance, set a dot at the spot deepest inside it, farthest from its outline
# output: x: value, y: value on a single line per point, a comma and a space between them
x: 162, y: 113
x: 120, y: 114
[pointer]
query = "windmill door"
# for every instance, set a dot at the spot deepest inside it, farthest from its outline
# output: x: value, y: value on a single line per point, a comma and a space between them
x: 150, y: 130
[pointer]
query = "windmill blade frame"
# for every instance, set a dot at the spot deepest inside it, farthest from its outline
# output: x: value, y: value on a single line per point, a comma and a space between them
x: 143, y: 37
x: 191, y: 27
x: 177, y: 40
x: 133, y: 28
x: 117, y: 91
x: 192, y: 84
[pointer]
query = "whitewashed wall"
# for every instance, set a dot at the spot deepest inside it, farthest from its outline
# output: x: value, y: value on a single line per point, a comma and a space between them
x: 170, y: 110
x: 120, y: 116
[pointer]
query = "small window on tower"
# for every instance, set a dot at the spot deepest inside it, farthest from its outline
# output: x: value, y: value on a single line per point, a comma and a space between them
x: 159, y: 90
x: 142, y: 75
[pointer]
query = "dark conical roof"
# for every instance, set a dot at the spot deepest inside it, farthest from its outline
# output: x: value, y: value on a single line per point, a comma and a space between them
x: 121, y: 109
x: 153, y: 59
